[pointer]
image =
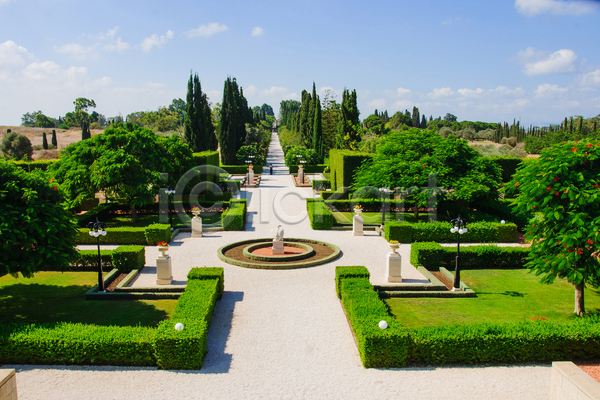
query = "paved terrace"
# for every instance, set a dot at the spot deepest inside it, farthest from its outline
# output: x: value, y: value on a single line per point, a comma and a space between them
x: 282, y: 334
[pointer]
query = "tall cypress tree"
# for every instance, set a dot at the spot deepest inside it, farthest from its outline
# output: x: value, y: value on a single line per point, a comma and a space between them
x: 348, y: 134
x: 423, y: 122
x: 188, y: 132
x: 54, y: 142
x: 416, y: 120
x: 227, y: 137
x: 304, y: 119
x: 312, y: 109
x: 44, y: 141
x: 317, y: 142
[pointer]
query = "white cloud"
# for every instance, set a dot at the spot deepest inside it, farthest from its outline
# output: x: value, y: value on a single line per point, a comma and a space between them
x: 470, y: 92
x: 377, y: 103
x: 13, y: 56
x: 439, y: 93
x: 400, y: 104
x: 77, y: 51
x: 117, y: 45
x: 557, y: 7
x: 257, y: 31
x: 206, y: 30
x: 530, y: 55
x: 591, y: 78
x: 402, y: 91
x: 548, y: 90
x: 156, y: 41
x: 560, y: 61
x: 250, y: 90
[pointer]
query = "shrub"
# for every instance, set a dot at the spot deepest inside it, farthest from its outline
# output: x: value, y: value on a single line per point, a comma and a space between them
x: 478, y: 232
x: 118, y: 235
x: 30, y: 166
x: 128, y: 258
x: 508, y: 165
x: 206, y: 158
x: 321, y: 218
x: 348, y: 272
x: 433, y: 256
x: 308, y: 168
x: 512, y: 141
x: 69, y: 344
x: 16, y: 146
x: 87, y: 260
x: 321, y: 184
x: 233, y: 219
x: 343, y: 165
x: 102, y: 211
x: 158, y: 233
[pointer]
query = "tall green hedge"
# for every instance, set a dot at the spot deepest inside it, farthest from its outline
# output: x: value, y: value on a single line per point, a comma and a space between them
x: 432, y: 256
x: 206, y: 158
x: 478, y: 232
x: 343, y: 165
x: 234, y: 219
x: 508, y: 165
x: 157, y: 233
x: 321, y: 218
x: 128, y: 258
x: 150, y: 234
x: 242, y: 169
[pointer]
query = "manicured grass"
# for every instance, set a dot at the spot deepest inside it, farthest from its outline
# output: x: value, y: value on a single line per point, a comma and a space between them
x: 502, y: 296
x: 374, y: 218
x: 59, y: 296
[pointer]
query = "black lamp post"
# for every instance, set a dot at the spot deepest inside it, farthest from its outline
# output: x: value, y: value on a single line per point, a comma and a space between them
x: 460, y: 227
x: 169, y: 193
x: 385, y: 191
x: 96, y: 231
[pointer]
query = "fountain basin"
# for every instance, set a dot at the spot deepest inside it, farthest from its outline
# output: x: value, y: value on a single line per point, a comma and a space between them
x: 292, y: 252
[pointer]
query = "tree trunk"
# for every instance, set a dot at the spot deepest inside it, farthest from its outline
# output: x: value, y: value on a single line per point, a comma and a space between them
x: 416, y: 212
x: 579, y: 303
x: 134, y: 215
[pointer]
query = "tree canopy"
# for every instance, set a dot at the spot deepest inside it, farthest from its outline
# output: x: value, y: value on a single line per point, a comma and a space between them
x: 36, y: 231
x: 562, y: 188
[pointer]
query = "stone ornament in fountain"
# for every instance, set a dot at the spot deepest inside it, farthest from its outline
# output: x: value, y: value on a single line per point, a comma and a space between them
x: 357, y: 222
x: 393, y: 270
x: 278, y: 241
x: 196, y: 223
x: 163, y: 265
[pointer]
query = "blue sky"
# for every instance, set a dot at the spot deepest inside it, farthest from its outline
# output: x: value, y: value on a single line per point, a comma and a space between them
x: 537, y: 60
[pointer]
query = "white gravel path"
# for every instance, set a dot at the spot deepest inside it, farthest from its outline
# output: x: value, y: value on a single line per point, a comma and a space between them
x: 281, y: 334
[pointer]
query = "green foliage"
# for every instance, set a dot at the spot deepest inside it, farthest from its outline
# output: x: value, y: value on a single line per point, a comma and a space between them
x: 234, y: 114
x: 308, y: 155
x: 563, y: 185
x: 349, y: 128
x: 505, y: 343
x: 234, y: 218
x: 16, y: 146
x: 206, y: 158
x: 478, y: 232
x: 186, y: 349
x: 422, y: 163
x: 74, y: 344
x: 35, y: 230
x: 101, y: 212
x: 128, y: 258
x: 117, y: 235
x: 30, y: 166
x: 199, y: 130
x: 432, y: 256
x: 321, y: 184
x: 252, y: 150
x: 348, y: 272
x: 321, y: 218
x: 343, y: 165
x: 308, y: 169
x: 44, y: 141
x: 157, y: 233
x: 378, y: 348
x: 87, y: 260
x: 508, y: 166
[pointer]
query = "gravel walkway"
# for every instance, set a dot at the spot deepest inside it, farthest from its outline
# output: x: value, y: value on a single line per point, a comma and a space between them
x: 281, y: 334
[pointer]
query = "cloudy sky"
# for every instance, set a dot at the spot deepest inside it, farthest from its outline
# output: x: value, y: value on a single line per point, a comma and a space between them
x: 537, y: 60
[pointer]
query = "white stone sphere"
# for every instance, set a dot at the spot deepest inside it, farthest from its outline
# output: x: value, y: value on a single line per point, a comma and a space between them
x: 179, y: 326
x: 503, y: 222
x: 383, y: 324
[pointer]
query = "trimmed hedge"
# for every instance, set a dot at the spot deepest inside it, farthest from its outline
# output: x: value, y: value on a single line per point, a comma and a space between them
x: 432, y: 256
x: 368, y: 205
x: 508, y: 166
x: 187, y: 348
x: 33, y: 165
x: 69, y: 343
x: 321, y: 218
x: 348, y: 272
x: 102, y: 211
x: 242, y: 169
x: 478, y: 232
x: 234, y: 218
x: 378, y: 348
x: 343, y: 164
x: 470, y: 343
x: 87, y: 260
x: 206, y: 158
x: 321, y: 184
x: 341, y: 194
x: 157, y: 233
x: 128, y: 258
x: 72, y: 344
x: 308, y: 168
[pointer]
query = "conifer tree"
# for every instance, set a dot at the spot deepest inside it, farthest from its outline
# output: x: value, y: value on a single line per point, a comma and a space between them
x: 199, y: 130
x: 54, y: 141
x: 227, y: 134
x: 348, y: 133
x: 304, y: 130
x: 191, y: 115
x: 423, y: 122
x: 317, y: 142
x: 416, y: 120
x: 44, y: 141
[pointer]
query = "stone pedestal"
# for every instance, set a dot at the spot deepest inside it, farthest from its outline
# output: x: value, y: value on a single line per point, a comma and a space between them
x: 163, y: 270
x: 357, y: 224
x: 393, y: 270
x: 301, y: 175
x: 196, y: 227
x: 250, y: 177
x: 278, y: 247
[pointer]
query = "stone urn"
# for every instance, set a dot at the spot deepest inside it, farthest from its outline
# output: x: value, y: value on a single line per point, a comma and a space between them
x: 163, y: 251
x: 358, y: 211
x: 196, y: 213
x: 394, y: 247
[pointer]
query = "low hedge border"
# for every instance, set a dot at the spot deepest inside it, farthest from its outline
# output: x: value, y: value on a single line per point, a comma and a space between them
x: 242, y: 169
x: 478, y: 232
x: 79, y: 344
x: 151, y: 235
x: 321, y: 218
x: 432, y: 256
x: 465, y: 344
x: 309, y: 168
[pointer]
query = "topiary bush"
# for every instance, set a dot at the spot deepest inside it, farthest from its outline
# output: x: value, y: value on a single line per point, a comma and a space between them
x: 321, y: 218
x: 233, y: 219
x: 128, y: 258
x: 157, y: 233
x: 478, y: 232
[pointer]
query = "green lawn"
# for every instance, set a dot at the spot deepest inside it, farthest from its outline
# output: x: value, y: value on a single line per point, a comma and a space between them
x: 59, y: 296
x: 502, y: 296
x: 374, y: 218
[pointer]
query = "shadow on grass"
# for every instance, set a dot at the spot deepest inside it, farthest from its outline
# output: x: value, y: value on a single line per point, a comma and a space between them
x: 42, y: 303
x: 505, y: 293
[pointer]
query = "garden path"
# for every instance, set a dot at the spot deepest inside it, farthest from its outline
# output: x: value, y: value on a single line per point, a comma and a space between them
x: 281, y: 334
